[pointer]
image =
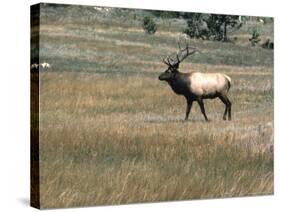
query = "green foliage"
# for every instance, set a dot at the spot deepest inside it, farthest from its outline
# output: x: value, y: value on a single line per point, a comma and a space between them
x: 210, y: 27
x: 149, y: 25
x: 255, y: 39
x: 219, y: 24
x: 196, y: 27
x: 165, y: 14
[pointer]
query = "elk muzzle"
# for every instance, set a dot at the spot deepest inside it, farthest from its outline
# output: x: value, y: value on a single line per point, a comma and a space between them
x: 166, y: 76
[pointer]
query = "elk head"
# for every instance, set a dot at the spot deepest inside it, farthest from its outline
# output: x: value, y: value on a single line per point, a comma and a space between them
x: 173, y: 64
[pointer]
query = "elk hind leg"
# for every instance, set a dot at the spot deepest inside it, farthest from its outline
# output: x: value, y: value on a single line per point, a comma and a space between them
x: 227, y: 103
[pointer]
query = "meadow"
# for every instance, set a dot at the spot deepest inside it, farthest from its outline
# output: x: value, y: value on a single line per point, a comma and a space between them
x: 112, y: 133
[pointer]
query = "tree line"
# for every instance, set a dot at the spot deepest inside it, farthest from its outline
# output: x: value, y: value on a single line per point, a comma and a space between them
x: 198, y: 25
x: 207, y: 26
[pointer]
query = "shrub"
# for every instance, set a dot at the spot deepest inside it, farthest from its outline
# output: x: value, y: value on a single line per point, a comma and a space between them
x: 149, y: 25
x: 255, y: 39
x: 268, y: 44
x: 196, y: 27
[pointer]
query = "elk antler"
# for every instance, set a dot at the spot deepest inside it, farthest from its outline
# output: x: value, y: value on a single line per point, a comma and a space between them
x: 186, y: 50
x: 167, y: 61
x: 180, y: 56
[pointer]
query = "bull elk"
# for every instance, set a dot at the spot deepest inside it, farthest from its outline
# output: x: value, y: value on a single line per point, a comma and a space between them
x: 196, y: 86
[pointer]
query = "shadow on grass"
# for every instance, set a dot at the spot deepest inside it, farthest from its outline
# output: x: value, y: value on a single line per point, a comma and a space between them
x: 163, y: 120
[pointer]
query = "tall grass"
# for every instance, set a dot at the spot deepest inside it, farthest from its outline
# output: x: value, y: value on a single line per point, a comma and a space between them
x: 113, y: 140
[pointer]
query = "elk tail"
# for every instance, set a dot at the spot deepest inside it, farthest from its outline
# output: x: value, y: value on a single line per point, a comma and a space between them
x: 228, y: 81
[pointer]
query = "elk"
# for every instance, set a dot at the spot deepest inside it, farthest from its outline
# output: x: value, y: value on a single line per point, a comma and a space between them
x: 196, y: 86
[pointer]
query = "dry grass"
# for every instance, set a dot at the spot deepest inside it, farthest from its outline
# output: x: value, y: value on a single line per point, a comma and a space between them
x: 113, y: 140
x: 111, y: 133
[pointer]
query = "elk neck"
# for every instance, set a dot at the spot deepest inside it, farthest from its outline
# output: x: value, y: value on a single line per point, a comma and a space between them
x: 179, y: 83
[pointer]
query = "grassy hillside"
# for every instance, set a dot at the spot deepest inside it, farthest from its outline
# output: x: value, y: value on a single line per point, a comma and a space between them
x: 111, y: 133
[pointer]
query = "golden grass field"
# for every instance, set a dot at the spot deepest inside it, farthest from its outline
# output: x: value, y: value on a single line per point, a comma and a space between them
x: 114, y: 137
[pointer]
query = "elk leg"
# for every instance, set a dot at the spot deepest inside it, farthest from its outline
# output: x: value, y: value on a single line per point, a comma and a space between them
x: 188, y: 108
x: 229, y: 108
x: 227, y: 103
x: 201, y: 104
x: 222, y: 98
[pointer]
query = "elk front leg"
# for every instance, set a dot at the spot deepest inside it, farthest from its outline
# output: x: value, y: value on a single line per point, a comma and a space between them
x: 201, y: 104
x: 188, y: 108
